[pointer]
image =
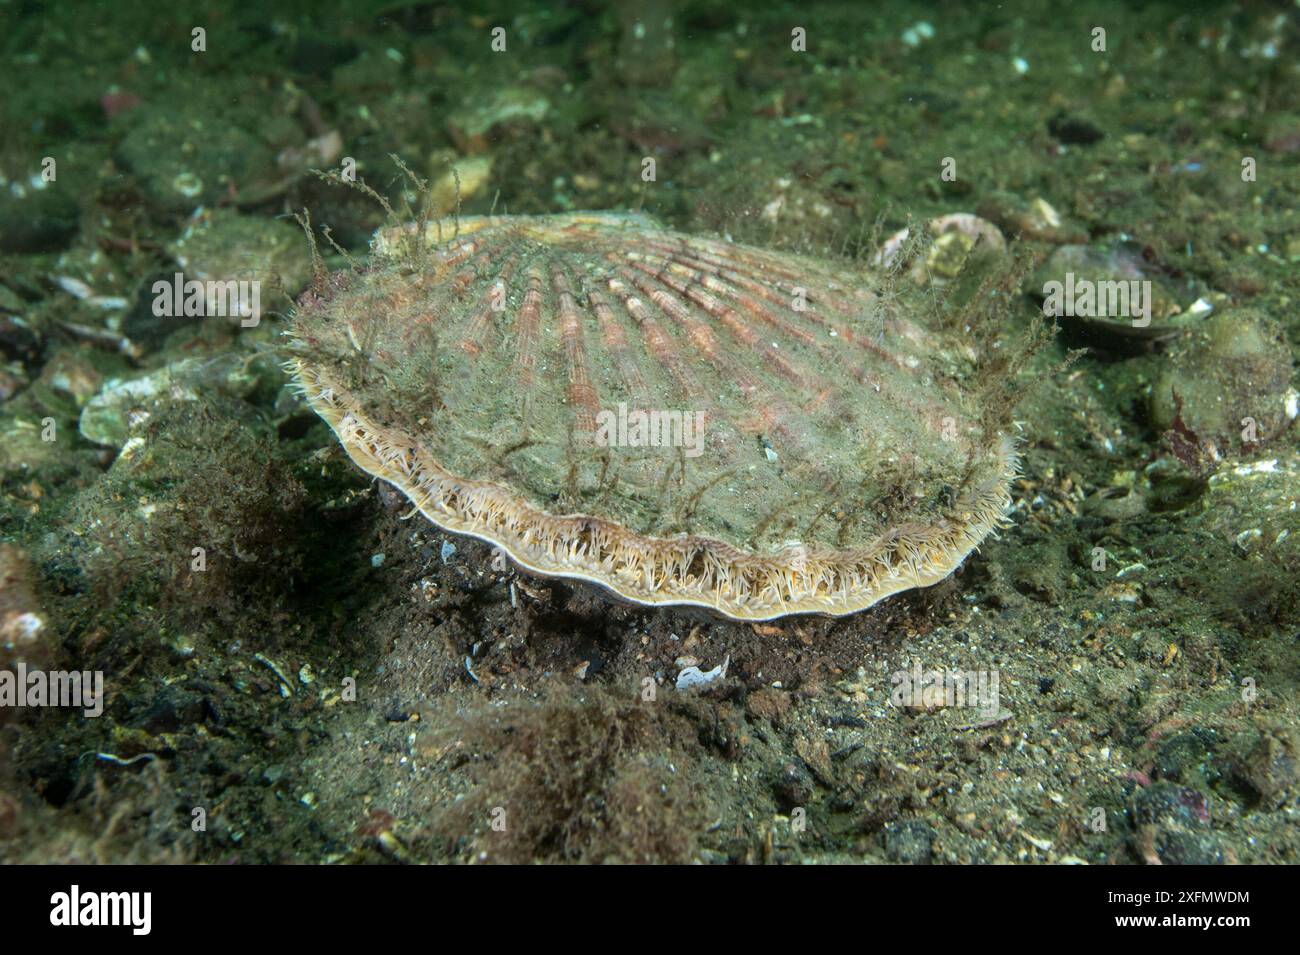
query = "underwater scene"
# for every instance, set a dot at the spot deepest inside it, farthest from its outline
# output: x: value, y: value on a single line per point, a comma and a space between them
x: 656, y: 432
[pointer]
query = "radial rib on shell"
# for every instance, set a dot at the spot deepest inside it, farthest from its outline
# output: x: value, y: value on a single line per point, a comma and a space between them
x: 841, y: 460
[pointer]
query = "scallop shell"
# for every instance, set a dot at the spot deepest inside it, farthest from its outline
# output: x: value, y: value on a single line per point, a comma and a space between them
x: 680, y: 419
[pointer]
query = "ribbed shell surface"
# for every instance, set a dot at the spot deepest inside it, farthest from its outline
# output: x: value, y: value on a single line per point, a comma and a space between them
x: 595, y: 365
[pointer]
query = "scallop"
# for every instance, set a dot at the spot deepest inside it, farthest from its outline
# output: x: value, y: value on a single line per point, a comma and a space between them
x: 679, y: 419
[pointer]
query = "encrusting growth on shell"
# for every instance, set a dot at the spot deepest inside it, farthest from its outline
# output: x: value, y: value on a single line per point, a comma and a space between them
x: 842, y: 463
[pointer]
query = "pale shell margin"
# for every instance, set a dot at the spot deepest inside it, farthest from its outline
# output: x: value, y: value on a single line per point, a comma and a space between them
x: 658, y: 571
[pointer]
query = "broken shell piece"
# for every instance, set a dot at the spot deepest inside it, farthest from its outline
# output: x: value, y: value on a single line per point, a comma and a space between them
x: 692, y: 677
x: 958, y: 238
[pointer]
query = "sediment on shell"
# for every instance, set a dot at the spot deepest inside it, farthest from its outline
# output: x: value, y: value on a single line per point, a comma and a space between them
x: 685, y: 570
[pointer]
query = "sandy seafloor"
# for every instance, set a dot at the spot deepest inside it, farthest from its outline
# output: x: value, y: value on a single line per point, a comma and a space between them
x: 1147, y: 707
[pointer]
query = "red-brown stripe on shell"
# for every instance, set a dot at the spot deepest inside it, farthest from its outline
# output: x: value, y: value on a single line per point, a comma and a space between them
x: 496, y: 379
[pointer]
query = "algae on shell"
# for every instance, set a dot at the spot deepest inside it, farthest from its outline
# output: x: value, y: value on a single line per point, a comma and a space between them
x: 841, y: 461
